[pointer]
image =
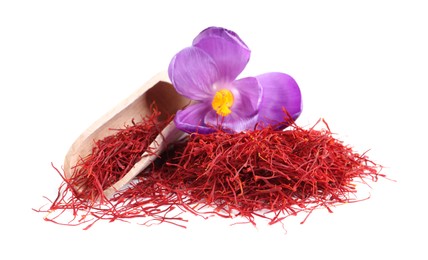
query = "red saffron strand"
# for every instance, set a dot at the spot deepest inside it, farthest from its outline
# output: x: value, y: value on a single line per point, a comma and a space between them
x: 264, y: 173
x: 261, y: 173
x: 113, y: 156
x: 110, y: 159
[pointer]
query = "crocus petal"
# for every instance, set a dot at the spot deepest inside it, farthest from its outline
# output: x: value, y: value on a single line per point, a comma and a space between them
x: 191, y: 119
x: 247, y: 94
x: 193, y: 73
x: 236, y: 122
x: 280, y: 91
x: 229, y: 52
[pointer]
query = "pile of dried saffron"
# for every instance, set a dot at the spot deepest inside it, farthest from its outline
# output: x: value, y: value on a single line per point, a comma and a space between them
x: 265, y: 173
x: 110, y: 159
x: 262, y: 173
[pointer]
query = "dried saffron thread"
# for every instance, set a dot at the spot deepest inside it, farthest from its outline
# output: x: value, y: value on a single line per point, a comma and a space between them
x: 111, y: 158
x: 262, y: 173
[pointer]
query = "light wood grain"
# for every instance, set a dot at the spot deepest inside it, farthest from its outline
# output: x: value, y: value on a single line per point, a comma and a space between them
x: 136, y: 106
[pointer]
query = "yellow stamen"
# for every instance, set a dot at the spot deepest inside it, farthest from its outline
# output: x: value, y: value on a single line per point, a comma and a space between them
x: 222, y: 102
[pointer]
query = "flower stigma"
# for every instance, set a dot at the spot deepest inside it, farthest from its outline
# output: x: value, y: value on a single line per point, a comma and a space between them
x: 222, y: 102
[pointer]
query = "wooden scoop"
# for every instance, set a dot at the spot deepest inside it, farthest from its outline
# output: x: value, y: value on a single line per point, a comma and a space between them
x: 158, y: 90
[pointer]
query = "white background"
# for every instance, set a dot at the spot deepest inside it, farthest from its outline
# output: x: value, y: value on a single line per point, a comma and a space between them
x: 362, y: 66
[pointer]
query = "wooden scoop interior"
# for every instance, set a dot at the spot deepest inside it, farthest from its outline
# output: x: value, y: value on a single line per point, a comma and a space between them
x: 158, y: 90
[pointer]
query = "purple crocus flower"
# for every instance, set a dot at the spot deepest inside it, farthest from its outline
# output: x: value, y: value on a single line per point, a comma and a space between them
x: 207, y: 73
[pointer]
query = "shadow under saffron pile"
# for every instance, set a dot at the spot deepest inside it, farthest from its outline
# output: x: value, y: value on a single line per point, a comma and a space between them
x: 263, y: 173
